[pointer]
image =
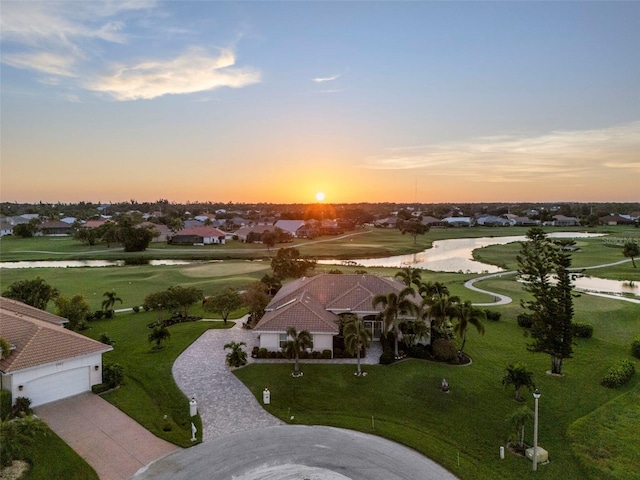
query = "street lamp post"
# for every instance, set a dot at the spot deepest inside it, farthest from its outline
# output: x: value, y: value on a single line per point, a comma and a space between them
x: 536, y: 396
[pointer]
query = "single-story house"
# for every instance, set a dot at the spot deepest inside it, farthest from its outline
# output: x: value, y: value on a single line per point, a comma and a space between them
x: 316, y: 303
x: 6, y: 228
x: 198, y: 236
x: 492, y: 221
x: 615, y: 219
x: 562, y: 221
x: 47, y: 362
x: 55, y: 227
x: 457, y: 221
x: 253, y: 234
x: 430, y: 221
x: 94, y: 223
x: 291, y: 226
x: 388, y: 222
x: 203, y: 217
x: 164, y: 231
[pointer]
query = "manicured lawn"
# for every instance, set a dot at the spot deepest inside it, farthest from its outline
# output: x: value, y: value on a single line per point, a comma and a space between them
x: 407, y: 405
x: 55, y: 460
x: 149, y: 391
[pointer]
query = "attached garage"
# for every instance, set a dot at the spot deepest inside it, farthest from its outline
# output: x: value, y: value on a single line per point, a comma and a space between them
x: 47, y: 362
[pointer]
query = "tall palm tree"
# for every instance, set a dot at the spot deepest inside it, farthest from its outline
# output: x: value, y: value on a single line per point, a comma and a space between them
x: 409, y: 276
x: 297, y: 342
x: 467, y: 315
x: 394, y: 306
x: 356, y: 337
x: 110, y: 300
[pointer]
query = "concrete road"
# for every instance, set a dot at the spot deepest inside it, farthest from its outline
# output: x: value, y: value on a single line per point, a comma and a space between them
x: 296, y: 452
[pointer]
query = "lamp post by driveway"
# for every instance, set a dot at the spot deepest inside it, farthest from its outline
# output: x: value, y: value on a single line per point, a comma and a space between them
x: 536, y: 396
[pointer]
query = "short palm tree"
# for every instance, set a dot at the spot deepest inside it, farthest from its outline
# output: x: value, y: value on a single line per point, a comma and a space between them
x: 296, y: 343
x: 110, y: 300
x: 236, y: 357
x: 394, y: 306
x: 409, y: 276
x: 519, y: 376
x: 467, y: 316
x: 518, y: 420
x: 356, y: 337
x: 159, y: 334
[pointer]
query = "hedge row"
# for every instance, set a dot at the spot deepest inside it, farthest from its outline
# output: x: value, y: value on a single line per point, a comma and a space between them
x: 619, y: 375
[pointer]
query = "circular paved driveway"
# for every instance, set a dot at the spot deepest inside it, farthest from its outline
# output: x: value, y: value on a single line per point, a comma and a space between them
x: 242, y: 441
x: 296, y: 452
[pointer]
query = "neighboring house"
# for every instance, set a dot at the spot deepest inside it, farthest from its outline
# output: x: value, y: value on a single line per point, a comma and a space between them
x: 562, y: 221
x: 5, y: 228
x: 389, y: 222
x: 94, y: 223
x: 291, y: 226
x: 253, y: 233
x: 492, y: 221
x: 615, y: 219
x: 47, y: 362
x: 164, y: 231
x: 198, y: 236
x: 432, y: 222
x: 69, y: 220
x: 55, y: 227
x: 457, y: 221
x: 203, y: 217
x: 192, y: 223
x: 522, y: 221
x: 316, y: 303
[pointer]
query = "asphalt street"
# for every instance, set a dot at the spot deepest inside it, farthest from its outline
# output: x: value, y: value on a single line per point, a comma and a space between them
x: 289, y: 452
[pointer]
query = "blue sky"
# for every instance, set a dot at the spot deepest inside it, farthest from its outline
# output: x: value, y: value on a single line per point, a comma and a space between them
x: 365, y: 101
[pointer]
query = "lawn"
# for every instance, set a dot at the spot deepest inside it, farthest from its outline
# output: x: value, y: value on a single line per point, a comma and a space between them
x: 403, y: 402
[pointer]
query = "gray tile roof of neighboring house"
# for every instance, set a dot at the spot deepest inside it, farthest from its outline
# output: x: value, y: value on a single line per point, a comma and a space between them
x: 54, y: 224
x: 243, y: 231
x: 202, y: 231
x: 40, y: 342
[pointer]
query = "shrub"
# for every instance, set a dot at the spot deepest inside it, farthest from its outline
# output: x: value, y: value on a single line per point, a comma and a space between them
x: 303, y: 355
x: 279, y: 354
x: 525, y: 320
x: 326, y: 354
x: 619, y: 375
x: 444, y: 350
x: 22, y: 407
x: 136, y: 309
x: 635, y: 346
x: 5, y: 404
x: 254, y: 352
x: 418, y: 351
x: 338, y: 353
x: 100, y: 388
x: 387, y: 357
x: 262, y: 353
x: 273, y: 354
x: 98, y: 314
x: 112, y: 374
x: 493, y: 316
x: 106, y: 339
x: 582, y: 330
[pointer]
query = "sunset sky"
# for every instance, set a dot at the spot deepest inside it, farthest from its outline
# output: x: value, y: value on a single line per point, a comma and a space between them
x: 277, y: 101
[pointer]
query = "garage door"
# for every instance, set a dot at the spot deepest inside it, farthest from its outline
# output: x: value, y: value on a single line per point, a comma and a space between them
x: 59, y: 385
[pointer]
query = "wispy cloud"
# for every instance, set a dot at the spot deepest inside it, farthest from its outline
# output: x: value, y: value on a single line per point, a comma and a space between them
x: 193, y: 71
x: 556, y: 155
x: 326, y: 79
x: 68, y: 40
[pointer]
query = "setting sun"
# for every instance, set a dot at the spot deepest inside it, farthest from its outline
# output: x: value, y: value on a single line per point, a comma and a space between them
x: 320, y: 196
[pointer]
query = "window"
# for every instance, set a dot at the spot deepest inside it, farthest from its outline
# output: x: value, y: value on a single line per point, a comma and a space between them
x: 284, y: 338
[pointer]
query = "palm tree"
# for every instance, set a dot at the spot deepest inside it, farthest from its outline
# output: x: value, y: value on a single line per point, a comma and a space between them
x: 440, y: 306
x: 110, y: 300
x: 518, y: 376
x: 467, y: 315
x: 236, y: 357
x: 518, y: 420
x: 159, y: 335
x: 356, y: 337
x: 409, y: 276
x: 395, y: 305
x: 297, y: 342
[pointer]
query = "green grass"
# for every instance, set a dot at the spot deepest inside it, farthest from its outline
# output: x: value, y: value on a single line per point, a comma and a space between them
x: 55, y: 460
x: 149, y: 391
x: 408, y: 406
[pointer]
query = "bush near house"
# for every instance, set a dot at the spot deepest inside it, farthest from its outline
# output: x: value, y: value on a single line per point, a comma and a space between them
x: 525, y: 320
x: 619, y: 375
x: 582, y: 330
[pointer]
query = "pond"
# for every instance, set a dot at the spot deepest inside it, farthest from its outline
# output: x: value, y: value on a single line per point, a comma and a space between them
x: 90, y: 263
x: 454, y: 255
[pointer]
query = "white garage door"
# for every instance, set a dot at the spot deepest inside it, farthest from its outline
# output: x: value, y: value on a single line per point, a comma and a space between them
x: 59, y: 385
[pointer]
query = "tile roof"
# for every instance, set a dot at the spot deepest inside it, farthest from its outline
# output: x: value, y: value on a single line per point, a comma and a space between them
x: 307, y: 302
x: 38, y: 341
x: 202, y: 231
x: 20, y: 308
